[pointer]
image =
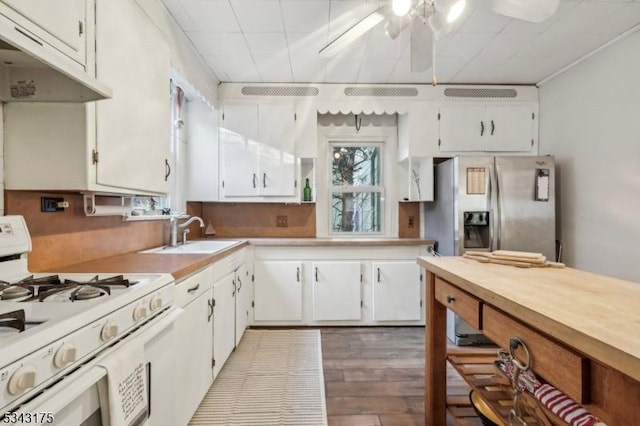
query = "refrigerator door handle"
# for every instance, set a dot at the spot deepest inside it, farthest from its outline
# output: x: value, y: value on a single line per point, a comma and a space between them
x: 498, y: 211
x: 492, y: 208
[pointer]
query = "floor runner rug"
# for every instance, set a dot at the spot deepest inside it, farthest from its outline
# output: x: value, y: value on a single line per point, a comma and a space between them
x: 274, y: 377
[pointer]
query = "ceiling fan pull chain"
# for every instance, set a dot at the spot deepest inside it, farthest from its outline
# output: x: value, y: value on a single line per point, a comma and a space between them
x: 434, y: 80
x: 358, y: 123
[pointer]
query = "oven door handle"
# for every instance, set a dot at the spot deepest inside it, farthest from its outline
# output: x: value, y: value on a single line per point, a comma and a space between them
x: 64, y: 392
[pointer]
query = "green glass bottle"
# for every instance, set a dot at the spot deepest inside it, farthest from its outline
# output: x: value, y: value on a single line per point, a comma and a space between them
x: 306, y: 192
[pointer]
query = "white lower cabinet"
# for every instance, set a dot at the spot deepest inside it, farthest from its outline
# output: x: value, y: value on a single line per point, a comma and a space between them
x: 232, y: 292
x: 278, y: 290
x: 396, y: 291
x: 337, y: 285
x: 195, y: 341
x: 336, y: 291
x: 244, y: 295
x: 224, y: 317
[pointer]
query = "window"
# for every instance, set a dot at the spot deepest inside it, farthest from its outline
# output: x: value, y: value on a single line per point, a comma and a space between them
x: 356, y: 190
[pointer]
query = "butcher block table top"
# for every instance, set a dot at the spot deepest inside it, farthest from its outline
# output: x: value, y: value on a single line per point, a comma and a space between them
x: 597, y: 315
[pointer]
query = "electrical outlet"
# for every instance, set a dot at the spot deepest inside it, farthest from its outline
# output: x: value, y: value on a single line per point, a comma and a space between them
x: 282, y: 221
x: 411, y: 221
x: 49, y: 204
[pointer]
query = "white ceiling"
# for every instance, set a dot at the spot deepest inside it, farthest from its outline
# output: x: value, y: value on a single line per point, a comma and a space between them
x: 277, y: 41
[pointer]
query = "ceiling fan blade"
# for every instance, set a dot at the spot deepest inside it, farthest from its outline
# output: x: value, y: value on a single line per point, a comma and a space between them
x: 355, y: 32
x: 526, y: 10
x: 421, y: 45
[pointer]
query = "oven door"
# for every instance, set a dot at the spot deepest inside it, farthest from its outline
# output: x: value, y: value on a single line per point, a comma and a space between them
x: 74, y: 400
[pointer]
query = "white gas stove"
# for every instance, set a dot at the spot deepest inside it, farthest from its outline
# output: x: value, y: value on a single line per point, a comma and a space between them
x: 52, y: 323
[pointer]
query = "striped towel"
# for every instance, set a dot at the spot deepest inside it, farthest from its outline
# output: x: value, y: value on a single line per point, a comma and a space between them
x: 551, y: 398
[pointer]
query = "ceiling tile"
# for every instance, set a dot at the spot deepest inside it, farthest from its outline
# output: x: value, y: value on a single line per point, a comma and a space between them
x: 466, y: 45
x: 179, y: 13
x: 621, y: 20
x: 241, y: 68
x: 305, y: 16
x: 306, y: 64
x: 274, y: 68
x: 381, y: 56
x: 482, y: 21
x: 402, y: 71
x: 585, y: 18
x: 217, y: 66
x: 258, y: 16
x: 266, y: 43
x: 344, y: 67
x: 226, y: 44
x: 212, y: 16
x: 346, y: 13
x: 519, y: 26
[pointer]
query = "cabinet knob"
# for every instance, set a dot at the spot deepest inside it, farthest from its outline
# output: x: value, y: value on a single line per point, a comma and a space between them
x: 450, y: 299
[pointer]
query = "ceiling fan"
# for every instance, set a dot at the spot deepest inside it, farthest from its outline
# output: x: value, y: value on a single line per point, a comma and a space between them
x: 429, y: 20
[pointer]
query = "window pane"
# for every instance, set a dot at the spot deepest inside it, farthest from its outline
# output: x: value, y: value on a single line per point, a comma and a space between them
x: 356, y: 166
x: 356, y: 211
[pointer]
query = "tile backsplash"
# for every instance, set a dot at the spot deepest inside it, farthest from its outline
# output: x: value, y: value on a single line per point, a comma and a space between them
x: 66, y: 237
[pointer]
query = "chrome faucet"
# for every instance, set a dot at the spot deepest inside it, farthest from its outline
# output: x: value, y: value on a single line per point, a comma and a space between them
x: 173, y: 223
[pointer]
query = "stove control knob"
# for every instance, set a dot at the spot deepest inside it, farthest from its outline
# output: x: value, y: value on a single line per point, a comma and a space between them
x: 109, y: 331
x: 156, y: 303
x: 139, y: 313
x: 24, y: 378
x: 65, y: 355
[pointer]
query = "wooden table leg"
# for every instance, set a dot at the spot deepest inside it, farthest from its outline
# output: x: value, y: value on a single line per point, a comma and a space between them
x: 435, y: 392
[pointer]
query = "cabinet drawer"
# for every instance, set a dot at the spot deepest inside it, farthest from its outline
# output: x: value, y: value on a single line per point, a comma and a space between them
x: 561, y: 367
x: 460, y: 302
x: 193, y: 286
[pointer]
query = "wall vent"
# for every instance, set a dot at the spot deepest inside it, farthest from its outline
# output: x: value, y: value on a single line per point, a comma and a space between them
x: 280, y: 91
x: 382, y: 91
x: 460, y: 92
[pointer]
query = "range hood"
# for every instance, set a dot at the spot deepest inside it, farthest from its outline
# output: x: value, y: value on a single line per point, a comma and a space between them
x: 31, y: 71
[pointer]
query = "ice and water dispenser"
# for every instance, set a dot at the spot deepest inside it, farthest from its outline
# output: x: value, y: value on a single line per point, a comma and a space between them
x: 476, y: 230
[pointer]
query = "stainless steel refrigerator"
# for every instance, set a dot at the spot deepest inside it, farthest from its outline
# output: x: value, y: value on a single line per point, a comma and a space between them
x: 491, y: 203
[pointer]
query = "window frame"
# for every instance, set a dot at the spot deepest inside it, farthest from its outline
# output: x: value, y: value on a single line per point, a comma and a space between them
x: 380, y: 188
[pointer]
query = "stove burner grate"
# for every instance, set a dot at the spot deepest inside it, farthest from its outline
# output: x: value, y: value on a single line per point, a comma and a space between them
x: 15, y: 319
x: 31, y: 289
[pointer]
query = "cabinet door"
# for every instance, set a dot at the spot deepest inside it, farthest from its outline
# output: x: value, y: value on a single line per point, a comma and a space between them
x: 336, y: 291
x: 243, y: 301
x: 510, y: 128
x: 276, y: 126
x: 241, y: 120
x: 59, y: 23
x: 224, y: 317
x: 462, y: 128
x: 133, y: 128
x: 239, y: 164
x: 306, y: 130
x: 195, y: 340
x: 278, y: 290
x: 396, y: 291
x: 277, y: 172
x: 239, y: 151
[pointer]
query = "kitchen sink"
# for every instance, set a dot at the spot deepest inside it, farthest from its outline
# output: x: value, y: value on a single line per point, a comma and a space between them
x: 193, y: 247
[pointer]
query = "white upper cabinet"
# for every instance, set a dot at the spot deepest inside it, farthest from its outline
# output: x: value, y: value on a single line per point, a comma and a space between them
x: 133, y: 128
x: 488, y: 128
x: 257, y: 151
x: 306, y: 130
x: 276, y: 126
x: 418, y: 131
x: 118, y: 145
x: 61, y: 23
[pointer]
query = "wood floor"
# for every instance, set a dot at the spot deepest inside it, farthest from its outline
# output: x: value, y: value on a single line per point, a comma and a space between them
x: 374, y: 376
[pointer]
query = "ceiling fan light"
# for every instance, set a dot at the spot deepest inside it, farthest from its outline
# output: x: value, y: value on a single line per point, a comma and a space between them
x: 456, y: 10
x: 400, y: 7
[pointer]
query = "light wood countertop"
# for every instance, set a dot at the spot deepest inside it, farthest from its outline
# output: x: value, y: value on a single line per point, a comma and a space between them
x: 597, y: 315
x: 178, y: 265
x: 332, y: 242
x: 181, y: 265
